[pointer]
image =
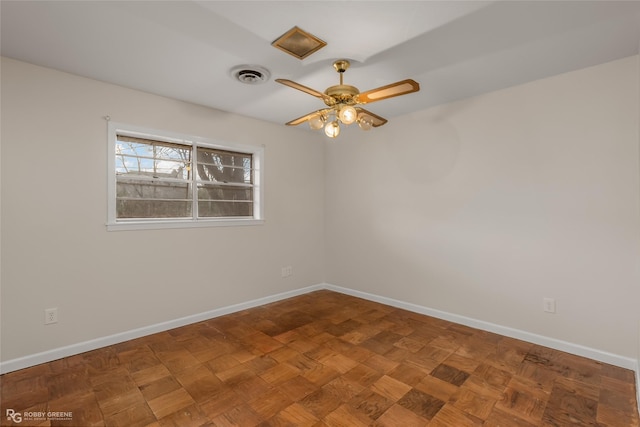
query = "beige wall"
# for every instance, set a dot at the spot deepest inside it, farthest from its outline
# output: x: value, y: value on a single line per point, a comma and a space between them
x: 56, y: 251
x: 483, y: 207
x: 478, y: 208
x: 638, y: 300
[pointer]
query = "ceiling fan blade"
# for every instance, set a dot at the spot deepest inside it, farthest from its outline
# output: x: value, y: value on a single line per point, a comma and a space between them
x: 389, y: 91
x: 303, y: 119
x: 375, y: 119
x: 303, y: 88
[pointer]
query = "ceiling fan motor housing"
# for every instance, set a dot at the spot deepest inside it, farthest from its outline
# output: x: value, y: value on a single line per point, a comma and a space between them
x: 342, y: 94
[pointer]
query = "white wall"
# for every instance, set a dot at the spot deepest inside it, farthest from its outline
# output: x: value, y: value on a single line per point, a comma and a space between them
x: 56, y: 251
x: 483, y: 207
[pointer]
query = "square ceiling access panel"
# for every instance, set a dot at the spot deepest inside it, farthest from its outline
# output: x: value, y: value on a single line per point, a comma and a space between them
x: 297, y: 42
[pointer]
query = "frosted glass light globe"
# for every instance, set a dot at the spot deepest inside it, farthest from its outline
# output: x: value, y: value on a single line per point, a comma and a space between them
x: 316, y: 122
x: 365, y: 123
x: 332, y: 129
x: 347, y: 114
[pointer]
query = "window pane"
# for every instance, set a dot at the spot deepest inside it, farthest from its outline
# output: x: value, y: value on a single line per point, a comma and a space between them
x: 152, y: 199
x: 221, y: 200
x: 224, y: 192
x: 142, y: 157
x: 153, y: 209
x: 224, y: 166
x: 215, y: 209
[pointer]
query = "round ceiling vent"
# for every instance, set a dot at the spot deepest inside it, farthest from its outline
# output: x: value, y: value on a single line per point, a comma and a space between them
x: 250, y: 74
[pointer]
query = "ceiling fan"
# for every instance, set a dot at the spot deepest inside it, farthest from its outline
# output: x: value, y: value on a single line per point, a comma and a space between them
x: 343, y: 103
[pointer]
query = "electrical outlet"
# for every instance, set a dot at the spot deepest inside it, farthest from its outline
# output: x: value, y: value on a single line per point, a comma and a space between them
x: 549, y: 305
x: 287, y: 271
x: 50, y: 316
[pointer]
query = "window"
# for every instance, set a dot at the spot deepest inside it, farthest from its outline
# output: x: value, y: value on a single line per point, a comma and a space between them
x: 163, y: 180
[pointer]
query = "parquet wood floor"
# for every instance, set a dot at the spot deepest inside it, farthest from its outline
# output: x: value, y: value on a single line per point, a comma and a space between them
x: 323, y: 359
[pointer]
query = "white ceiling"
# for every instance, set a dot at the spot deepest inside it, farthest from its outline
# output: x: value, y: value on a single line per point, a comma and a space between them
x: 186, y: 49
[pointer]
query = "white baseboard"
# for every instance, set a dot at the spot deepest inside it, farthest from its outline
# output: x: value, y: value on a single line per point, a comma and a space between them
x: 579, y: 350
x: 70, y: 350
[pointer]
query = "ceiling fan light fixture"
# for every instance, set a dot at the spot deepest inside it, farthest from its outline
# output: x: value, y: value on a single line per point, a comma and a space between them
x: 365, y: 122
x: 332, y: 129
x: 348, y: 114
x: 344, y: 103
x: 316, y: 122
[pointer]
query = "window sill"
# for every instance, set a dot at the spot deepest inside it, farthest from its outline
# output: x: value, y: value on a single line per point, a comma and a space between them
x: 158, y: 225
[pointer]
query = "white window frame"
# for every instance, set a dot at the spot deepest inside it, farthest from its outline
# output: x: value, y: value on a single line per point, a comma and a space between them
x: 115, y: 224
